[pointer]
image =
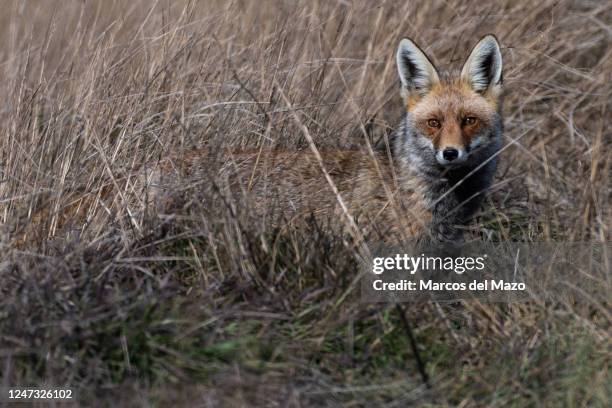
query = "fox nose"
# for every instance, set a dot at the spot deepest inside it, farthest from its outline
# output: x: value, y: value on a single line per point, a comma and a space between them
x: 450, y: 154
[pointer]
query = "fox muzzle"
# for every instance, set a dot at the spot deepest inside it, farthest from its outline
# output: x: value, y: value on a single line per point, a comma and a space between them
x: 451, y: 155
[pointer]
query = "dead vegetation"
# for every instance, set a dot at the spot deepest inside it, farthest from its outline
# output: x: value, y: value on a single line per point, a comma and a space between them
x: 202, y: 302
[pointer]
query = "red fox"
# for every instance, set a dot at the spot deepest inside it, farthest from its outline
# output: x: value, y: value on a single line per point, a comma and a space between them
x: 427, y: 183
x: 452, y: 131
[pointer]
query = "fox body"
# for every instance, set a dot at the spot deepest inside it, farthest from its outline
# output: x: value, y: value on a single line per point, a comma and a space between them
x: 427, y: 183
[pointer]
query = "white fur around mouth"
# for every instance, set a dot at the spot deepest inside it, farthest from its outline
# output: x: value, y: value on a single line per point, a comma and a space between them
x: 459, y: 160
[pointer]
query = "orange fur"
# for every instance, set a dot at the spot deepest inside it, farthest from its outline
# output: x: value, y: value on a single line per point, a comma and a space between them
x: 450, y: 103
x: 293, y: 183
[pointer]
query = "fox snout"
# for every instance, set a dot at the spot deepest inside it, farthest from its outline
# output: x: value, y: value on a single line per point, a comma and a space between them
x: 451, y: 155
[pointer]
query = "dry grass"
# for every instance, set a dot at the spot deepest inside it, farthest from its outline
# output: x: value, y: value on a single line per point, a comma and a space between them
x: 203, y: 303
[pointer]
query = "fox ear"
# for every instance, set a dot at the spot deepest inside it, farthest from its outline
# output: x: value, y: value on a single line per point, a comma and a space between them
x: 416, y: 71
x: 483, y: 68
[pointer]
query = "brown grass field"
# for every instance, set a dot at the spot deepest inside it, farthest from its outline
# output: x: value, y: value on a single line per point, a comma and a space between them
x: 202, y: 304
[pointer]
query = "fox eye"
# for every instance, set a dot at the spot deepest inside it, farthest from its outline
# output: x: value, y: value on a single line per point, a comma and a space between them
x: 434, y: 123
x: 469, y: 121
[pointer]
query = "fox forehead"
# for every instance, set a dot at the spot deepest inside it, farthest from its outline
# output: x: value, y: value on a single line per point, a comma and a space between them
x: 452, y: 100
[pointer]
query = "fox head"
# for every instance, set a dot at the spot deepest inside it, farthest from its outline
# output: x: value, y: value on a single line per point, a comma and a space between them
x: 451, y: 119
